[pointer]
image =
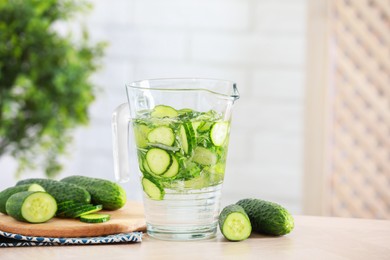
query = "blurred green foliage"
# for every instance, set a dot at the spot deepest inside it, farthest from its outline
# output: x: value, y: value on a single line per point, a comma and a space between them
x: 45, y: 89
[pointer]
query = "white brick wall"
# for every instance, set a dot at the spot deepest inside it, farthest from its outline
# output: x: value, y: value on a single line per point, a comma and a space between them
x: 257, y: 43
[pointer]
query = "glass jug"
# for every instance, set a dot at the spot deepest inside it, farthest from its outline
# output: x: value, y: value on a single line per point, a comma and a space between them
x: 178, y: 130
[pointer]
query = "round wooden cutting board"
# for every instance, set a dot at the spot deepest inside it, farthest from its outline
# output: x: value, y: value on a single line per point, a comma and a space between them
x: 127, y: 219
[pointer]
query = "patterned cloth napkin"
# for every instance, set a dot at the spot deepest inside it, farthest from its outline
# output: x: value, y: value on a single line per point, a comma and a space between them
x: 17, y: 240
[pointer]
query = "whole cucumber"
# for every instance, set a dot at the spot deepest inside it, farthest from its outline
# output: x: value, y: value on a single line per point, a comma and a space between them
x: 107, y: 193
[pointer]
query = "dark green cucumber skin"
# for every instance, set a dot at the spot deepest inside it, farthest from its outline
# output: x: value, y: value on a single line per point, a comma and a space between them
x: 15, y: 203
x: 5, y: 194
x: 234, y: 208
x: 107, y: 193
x: 267, y: 217
x: 61, y: 191
x: 79, y: 210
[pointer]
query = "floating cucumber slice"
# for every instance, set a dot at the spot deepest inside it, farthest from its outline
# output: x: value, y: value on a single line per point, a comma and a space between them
x: 162, y: 135
x: 162, y: 111
x: 219, y: 132
x: 152, y: 189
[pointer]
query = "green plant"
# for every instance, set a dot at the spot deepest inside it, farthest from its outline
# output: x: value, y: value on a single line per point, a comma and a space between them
x: 45, y: 89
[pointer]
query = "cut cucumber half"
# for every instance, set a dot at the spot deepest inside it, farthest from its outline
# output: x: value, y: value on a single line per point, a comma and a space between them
x: 95, y: 218
x: 219, y: 132
x: 234, y: 223
x: 204, y: 156
x: 31, y: 206
x: 162, y: 135
x: 173, y: 169
x: 162, y: 111
x: 152, y: 189
x: 158, y: 160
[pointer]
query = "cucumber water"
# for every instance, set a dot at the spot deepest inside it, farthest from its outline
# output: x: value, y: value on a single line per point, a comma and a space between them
x: 180, y: 150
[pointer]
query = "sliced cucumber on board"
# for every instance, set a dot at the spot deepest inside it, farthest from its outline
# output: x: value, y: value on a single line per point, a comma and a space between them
x: 95, y: 218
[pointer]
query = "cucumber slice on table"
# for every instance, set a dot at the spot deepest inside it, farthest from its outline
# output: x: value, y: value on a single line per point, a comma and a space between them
x: 219, y: 132
x: 95, y: 218
x: 152, y: 189
x: 162, y: 111
x: 158, y: 160
x: 31, y: 206
x: 5, y: 194
x: 234, y: 223
x: 162, y: 135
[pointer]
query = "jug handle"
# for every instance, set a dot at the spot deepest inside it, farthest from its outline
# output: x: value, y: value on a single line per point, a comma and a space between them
x: 120, y: 140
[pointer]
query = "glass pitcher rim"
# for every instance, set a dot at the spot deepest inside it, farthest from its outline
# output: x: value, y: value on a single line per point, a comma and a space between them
x: 235, y: 94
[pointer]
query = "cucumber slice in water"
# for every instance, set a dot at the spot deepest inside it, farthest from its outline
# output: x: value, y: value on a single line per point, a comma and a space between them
x: 162, y: 135
x: 187, y: 138
x: 158, y: 160
x: 95, y: 218
x: 162, y: 111
x: 152, y: 189
x: 173, y: 169
x: 204, y: 156
x: 234, y: 223
x: 219, y: 132
x: 31, y: 206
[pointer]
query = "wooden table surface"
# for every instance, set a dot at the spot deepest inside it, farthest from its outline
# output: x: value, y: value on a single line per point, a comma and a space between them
x: 312, y: 238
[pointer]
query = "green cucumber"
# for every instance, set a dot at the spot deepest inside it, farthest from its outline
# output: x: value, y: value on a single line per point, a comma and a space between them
x: 95, y: 218
x: 204, y: 156
x: 5, y: 194
x: 267, y: 217
x: 234, y: 223
x: 152, y: 189
x: 107, y: 193
x: 219, y: 132
x: 162, y: 135
x: 158, y: 160
x: 162, y: 111
x: 61, y: 191
x: 31, y: 206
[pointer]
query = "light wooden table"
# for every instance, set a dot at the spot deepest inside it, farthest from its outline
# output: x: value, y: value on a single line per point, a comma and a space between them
x: 312, y: 238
